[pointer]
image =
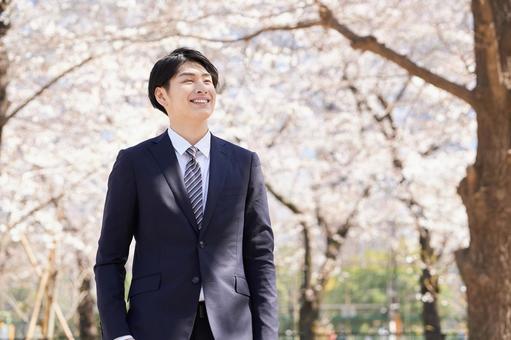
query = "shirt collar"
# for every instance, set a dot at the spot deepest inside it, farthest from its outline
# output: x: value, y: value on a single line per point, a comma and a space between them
x: 181, y: 145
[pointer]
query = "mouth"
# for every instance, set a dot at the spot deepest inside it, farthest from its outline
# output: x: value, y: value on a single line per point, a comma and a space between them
x: 200, y: 101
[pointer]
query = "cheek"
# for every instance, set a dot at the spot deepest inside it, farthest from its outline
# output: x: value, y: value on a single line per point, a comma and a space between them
x: 182, y: 99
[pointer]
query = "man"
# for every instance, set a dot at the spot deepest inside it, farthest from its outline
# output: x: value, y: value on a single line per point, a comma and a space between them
x: 196, y: 205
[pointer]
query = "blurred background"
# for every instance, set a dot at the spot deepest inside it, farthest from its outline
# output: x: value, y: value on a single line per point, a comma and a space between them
x: 362, y: 151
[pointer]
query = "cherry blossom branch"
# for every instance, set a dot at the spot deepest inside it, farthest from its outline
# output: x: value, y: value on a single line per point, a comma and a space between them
x: 371, y: 44
x: 44, y: 88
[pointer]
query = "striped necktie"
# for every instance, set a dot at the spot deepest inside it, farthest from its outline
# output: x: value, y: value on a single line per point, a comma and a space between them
x: 193, y: 184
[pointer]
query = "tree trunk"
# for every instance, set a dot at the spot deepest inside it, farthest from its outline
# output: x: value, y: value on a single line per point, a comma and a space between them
x: 312, y: 292
x: 309, y: 306
x: 430, y: 317
x: 485, y: 265
x: 309, y: 316
x: 310, y: 298
x: 87, y: 324
x: 4, y: 66
x: 429, y: 288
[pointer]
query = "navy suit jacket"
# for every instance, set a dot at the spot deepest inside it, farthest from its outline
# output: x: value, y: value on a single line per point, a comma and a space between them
x: 231, y: 255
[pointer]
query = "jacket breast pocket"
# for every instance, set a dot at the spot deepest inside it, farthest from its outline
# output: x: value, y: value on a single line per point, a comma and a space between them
x: 241, y: 286
x: 144, y: 284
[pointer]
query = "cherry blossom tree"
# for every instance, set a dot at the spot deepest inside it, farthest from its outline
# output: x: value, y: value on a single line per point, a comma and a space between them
x: 77, y: 85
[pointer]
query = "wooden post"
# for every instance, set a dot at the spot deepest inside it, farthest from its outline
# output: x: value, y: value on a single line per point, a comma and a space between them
x: 44, y: 276
x: 37, y: 305
x: 49, y: 291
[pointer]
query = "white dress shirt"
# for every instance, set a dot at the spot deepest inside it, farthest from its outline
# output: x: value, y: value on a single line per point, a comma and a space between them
x: 204, y: 144
x: 181, y: 145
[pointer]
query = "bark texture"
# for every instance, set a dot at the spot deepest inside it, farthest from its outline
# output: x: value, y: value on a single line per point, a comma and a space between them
x: 4, y: 66
x: 485, y: 265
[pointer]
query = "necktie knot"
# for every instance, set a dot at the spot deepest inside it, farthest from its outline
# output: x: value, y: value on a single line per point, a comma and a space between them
x: 192, y: 151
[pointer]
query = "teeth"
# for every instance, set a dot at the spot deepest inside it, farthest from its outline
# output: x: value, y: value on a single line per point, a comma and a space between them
x: 202, y: 101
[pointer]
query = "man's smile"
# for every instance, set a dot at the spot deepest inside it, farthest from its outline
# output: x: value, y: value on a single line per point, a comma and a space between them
x: 200, y: 101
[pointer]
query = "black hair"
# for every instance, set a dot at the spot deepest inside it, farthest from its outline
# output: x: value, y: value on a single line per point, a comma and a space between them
x: 167, y: 67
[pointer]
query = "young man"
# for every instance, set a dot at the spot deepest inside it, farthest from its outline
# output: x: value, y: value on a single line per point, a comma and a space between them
x: 196, y: 205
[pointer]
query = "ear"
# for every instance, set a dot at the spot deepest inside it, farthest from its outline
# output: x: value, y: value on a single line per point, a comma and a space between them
x: 159, y: 94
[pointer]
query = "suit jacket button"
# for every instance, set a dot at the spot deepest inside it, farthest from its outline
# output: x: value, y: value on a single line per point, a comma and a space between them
x: 202, y: 244
x: 195, y: 280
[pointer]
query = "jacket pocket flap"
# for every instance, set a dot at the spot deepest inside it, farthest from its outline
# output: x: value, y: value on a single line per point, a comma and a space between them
x: 241, y: 285
x: 144, y: 284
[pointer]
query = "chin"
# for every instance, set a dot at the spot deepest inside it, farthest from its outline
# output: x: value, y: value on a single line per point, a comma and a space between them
x: 201, y: 116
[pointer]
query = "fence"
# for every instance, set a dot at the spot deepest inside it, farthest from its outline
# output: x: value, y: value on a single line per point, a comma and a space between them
x: 374, y: 336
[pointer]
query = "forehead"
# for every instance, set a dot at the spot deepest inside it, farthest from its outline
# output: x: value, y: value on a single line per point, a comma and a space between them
x: 189, y: 67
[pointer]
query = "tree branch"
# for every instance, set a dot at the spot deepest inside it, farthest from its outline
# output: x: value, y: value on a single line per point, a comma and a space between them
x: 334, y: 241
x: 150, y: 37
x: 44, y: 88
x: 371, y: 44
x: 284, y: 201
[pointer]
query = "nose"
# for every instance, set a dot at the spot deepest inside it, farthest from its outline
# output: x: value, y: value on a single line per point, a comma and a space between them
x: 201, y: 89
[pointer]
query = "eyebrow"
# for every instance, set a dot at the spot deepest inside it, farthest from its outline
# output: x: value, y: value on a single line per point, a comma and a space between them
x: 187, y: 74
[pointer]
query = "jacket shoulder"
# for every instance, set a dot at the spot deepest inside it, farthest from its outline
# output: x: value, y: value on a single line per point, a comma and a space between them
x: 141, y: 146
x: 236, y: 149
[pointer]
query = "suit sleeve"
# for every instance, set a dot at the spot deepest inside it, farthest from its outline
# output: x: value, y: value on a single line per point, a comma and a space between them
x: 119, y: 219
x: 258, y: 261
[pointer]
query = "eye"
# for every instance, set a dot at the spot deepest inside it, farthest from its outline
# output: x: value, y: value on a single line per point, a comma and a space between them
x: 207, y: 81
x: 188, y: 81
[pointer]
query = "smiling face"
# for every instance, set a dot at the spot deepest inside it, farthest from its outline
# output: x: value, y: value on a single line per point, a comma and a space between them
x: 191, y: 96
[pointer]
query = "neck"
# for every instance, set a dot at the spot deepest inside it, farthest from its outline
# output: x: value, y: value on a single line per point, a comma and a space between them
x: 191, y: 132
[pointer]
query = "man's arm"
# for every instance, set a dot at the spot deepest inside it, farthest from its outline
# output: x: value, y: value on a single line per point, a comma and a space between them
x: 258, y: 257
x: 119, y: 218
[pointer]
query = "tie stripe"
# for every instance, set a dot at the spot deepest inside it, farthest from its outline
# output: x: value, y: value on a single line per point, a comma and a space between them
x: 193, y: 184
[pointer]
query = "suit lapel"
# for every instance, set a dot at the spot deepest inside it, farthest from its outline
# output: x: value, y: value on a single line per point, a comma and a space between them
x: 165, y: 156
x: 217, y: 163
